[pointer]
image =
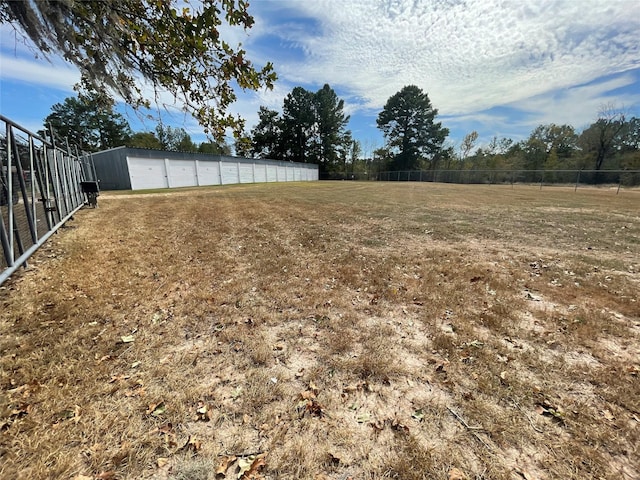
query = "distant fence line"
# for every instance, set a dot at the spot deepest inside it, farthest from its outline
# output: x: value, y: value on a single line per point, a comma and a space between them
x: 40, y: 189
x: 624, y: 178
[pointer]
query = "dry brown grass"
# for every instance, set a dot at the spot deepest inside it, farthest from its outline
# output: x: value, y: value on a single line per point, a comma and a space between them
x: 343, y: 330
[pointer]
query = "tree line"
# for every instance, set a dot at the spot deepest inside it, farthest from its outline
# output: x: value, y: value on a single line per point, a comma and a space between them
x: 312, y: 128
x: 612, y: 142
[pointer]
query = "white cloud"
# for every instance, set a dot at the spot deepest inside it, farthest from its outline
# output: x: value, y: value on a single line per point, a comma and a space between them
x: 579, y: 105
x: 468, y: 55
x: 39, y: 72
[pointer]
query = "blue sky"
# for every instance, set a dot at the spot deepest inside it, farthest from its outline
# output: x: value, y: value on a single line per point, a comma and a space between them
x: 500, y: 67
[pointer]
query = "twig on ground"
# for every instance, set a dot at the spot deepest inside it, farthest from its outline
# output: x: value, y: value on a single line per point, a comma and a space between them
x: 241, y: 455
x: 473, y: 430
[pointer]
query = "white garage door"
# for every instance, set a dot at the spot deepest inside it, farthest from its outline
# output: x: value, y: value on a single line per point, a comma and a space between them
x: 246, y: 173
x: 272, y: 173
x: 229, y: 173
x: 182, y: 173
x: 208, y: 173
x: 260, y: 172
x: 147, y: 173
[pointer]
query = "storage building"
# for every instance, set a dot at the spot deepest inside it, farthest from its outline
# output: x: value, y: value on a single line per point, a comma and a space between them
x: 126, y: 168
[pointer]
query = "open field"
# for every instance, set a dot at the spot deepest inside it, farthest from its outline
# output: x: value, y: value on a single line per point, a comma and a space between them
x: 329, y: 330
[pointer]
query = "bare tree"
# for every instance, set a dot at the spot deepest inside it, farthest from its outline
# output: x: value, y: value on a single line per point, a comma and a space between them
x: 602, y: 136
x: 468, y: 143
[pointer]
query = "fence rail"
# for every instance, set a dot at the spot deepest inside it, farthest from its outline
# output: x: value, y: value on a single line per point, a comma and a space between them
x: 622, y: 178
x: 39, y: 191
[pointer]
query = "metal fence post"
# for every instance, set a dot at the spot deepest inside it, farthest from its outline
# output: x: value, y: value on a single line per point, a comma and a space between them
x: 23, y: 189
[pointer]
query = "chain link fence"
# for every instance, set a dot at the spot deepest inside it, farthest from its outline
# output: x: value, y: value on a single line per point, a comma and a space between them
x: 620, y: 178
x: 40, y: 189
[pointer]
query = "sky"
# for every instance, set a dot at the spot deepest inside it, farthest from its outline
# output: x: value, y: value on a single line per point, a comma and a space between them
x: 499, y: 67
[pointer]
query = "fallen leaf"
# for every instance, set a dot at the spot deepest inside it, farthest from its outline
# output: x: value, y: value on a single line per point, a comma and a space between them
x: 307, y: 395
x: 224, y: 465
x: 456, y: 474
x: 192, y: 444
x: 168, y: 434
x: 250, y: 466
x: 244, y: 464
x: 608, y: 415
x: 20, y: 410
x: 135, y: 391
x: 418, y: 415
x: 66, y: 415
x: 166, y: 428
x: 156, y: 409
x: 202, y: 412
x: 118, y: 378
x: 547, y: 409
x: 314, y: 408
x: 77, y: 411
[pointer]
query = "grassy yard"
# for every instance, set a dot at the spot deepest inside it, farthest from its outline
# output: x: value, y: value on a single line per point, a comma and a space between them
x: 329, y: 330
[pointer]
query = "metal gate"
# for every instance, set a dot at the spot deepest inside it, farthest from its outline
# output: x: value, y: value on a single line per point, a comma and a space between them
x: 39, y: 191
